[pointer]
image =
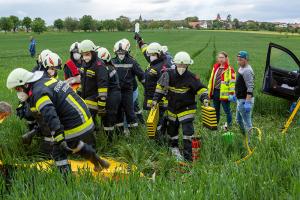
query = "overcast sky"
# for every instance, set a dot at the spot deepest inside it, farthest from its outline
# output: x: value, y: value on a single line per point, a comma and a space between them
x: 260, y: 10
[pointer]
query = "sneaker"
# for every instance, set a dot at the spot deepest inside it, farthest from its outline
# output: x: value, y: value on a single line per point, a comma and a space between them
x: 225, y: 127
x: 176, y: 153
x: 126, y: 132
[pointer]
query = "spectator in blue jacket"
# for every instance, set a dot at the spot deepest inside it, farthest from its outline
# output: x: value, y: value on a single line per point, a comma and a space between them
x: 32, y: 47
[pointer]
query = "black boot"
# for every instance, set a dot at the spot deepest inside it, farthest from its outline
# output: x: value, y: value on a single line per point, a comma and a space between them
x: 90, y: 154
x: 187, y: 150
x: 140, y: 118
x: 65, y: 169
x: 109, y: 135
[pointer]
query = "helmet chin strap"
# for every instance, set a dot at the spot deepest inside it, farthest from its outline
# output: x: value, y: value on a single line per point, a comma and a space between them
x: 27, y: 88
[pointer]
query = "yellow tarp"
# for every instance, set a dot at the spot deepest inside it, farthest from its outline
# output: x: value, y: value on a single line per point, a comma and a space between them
x: 117, y: 170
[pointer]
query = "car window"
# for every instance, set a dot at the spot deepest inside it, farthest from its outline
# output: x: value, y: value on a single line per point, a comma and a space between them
x: 282, y: 60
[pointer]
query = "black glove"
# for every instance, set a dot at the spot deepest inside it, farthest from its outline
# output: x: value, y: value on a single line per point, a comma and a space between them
x: 153, y: 104
x: 27, y: 137
x: 137, y: 37
x: 21, y: 110
x: 139, y: 40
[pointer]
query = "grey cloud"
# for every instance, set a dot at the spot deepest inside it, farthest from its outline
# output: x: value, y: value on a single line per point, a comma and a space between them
x: 261, y: 10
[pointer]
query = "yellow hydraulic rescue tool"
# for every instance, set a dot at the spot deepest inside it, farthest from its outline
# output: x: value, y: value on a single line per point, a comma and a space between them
x: 250, y: 150
x: 152, y: 121
x: 292, y: 116
x: 209, y: 117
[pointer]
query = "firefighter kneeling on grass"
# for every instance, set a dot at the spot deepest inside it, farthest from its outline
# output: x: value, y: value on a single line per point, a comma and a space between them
x: 63, y: 110
x: 182, y: 87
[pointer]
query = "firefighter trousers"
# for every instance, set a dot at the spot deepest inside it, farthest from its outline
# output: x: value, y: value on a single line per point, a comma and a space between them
x: 188, y: 132
x: 110, y: 118
x: 60, y: 155
x: 126, y: 108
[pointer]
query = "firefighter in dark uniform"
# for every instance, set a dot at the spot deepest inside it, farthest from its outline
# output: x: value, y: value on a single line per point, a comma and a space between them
x: 46, y: 62
x: 94, y: 80
x: 63, y: 110
x: 114, y: 93
x: 136, y: 104
x: 72, y: 68
x: 182, y: 87
x: 40, y: 61
x: 158, y: 63
x: 49, y: 63
x: 127, y: 68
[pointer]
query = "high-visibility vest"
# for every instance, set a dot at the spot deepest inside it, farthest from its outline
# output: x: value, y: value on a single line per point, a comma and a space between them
x: 227, y: 86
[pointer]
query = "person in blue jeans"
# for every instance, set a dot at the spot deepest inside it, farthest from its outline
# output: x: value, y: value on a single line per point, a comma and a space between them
x: 221, y: 86
x: 244, y: 93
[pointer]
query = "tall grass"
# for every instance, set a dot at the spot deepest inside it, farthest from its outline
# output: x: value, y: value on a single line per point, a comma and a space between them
x: 273, y: 172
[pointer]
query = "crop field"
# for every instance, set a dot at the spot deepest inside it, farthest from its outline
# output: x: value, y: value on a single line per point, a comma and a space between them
x: 272, y: 172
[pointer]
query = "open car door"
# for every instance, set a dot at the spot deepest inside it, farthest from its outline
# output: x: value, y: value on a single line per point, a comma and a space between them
x: 282, y: 73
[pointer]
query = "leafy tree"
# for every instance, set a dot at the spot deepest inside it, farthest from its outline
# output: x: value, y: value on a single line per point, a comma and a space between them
x: 109, y: 25
x: 218, y: 24
x: 27, y: 23
x: 192, y: 19
x: 71, y: 24
x: 253, y: 26
x: 228, y: 18
x: 236, y: 23
x: 99, y: 25
x: 16, y: 22
x: 86, y: 22
x: 6, y: 24
x: 59, y: 24
x: 123, y: 23
x: 38, y: 25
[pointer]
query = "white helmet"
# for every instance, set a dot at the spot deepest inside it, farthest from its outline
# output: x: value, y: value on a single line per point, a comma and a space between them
x: 52, y: 60
x: 20, y: 76
x: 122, y: 45
x: 103, y: 54
x: 154, y: 47
x: 86, y: 46
x: 126, y: 44
x: 74, y: 47
x: 183, y: 57
x: 164, y: 49
x: 43, y: 55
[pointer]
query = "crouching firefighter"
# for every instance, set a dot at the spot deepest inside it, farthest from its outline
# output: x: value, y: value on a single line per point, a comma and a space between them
x: 182, y: 87
x: 49, y: 63
x: 113, y: 98
x: 65, y: 113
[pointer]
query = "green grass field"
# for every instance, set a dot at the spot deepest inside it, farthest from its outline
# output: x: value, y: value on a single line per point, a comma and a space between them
x: 273, y: 172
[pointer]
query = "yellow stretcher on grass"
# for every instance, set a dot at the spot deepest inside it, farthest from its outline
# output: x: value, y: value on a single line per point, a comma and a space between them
x: 209, y: 117
x: 152, y: 121
x: 117, y: 170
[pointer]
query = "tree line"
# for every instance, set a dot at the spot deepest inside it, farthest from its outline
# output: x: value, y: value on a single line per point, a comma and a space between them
x: 123, y: 23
